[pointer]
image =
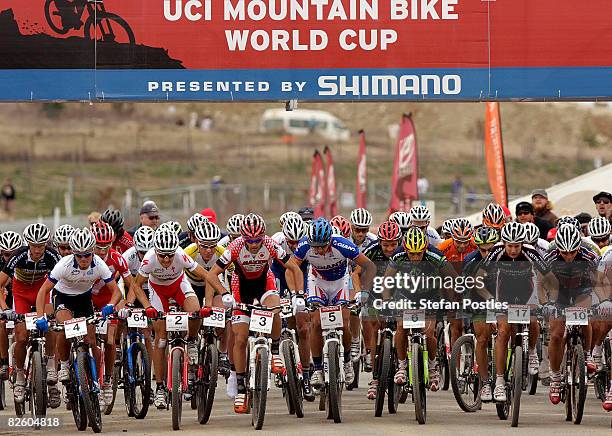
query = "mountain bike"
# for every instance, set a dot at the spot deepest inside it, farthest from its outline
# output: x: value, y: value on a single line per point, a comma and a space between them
x: 602, y: 377
x: 291, y: 380
x: 385, y: 365
x: 208, y: 364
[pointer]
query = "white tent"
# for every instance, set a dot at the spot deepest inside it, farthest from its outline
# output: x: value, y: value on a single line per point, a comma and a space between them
x: 571, y: 197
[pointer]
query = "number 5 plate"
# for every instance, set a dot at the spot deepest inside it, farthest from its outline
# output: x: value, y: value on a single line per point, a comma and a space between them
x: 30, y: 320
x: 177, y: 322
x: 331, y: 317
x: 413, y: 319
x: 137, y: 319
x: 518, y: 314
x: 576, y: 316
x: 261, y: 321
x: 75, y: 327
x: 216, y: 318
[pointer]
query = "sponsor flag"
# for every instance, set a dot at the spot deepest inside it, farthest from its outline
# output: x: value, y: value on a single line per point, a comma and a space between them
x: 404, y: 182
x: 317, y: 185
x: 332, y: 198
x: 362, y: 172
x: 494, y: 153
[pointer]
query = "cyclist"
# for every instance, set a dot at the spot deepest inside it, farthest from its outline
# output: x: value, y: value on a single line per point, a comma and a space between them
x: 585, y: 242
x: 605, y: 284
x: 329, y: 258
x: 361, y: 220
x: 123, y: 240
x: 421, y: 218
x: 61, y: 239
x: 9, y: 242
x: 27, y: 270
x: 417, y: 260
x: 343, y: 225
x: 287, y: 215
x: 447, y: 228
x: 532, y: 237
x: 186, y: 238
x: 252, y: 254
x: 493, y: 216
x: 233, y: 229
x: 402, y: 219
x: 599, y: 233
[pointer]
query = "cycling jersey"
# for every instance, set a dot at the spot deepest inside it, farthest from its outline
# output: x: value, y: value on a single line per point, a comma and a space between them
x: 370, y: 239
x: 123, y: 243
x: 224, y: 241
x: 279, y: 270
x: 119, y: 269
x: 605, y: 263
x: 449, y: 250
x: 9, y: 286
x: 69, y: 279
x: 133, y: 263
x: 28, y: 275
x: 542, y: 246
x: 375, y: 253
x: 333, y: 265
x: 184, y: 240
x: 193, y: 252
x: 471, y: 265
x: 576, y: 277
x: 432, y: 265
x: 252, y: 266
x: 433, y: 236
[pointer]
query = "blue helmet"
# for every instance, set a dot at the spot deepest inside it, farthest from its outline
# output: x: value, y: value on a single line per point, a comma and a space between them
x: 319, y: 233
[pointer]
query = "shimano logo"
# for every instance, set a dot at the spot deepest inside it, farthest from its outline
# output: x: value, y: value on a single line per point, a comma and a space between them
x: 390, y: 85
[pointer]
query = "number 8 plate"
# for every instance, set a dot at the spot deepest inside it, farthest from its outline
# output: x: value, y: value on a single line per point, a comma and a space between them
x: 261, y: 321
x: 177, y: 322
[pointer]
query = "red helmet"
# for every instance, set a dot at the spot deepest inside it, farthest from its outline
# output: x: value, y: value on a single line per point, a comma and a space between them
x: 253, y: 226
x: 102, y: 232
x: 342, y: 224
x: 551, y: 234
x: 389, y: 231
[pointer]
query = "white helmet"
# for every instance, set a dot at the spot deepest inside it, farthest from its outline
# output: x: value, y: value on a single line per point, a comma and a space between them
x: 36, y: 233
x: 567, y: 238
x: 447, y: 228
x: 420, y: 213
x: 10, y: 241
x: 283, y: 218
x: 143, y: 238
x: 361, y: 217
x: 195, y: 221
x: 82, y: 241
x: 599, y: 227
x: 166, y: 241
x: 208, y: 232
x: 174, y: 226
x: 402, y: 219
x: 62, y: 234
x: 513, y: 233
x: 532, y: 233
x: 294, y: 228
x: 234, y: 223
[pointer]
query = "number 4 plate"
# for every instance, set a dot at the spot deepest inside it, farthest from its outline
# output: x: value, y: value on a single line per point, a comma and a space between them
x: 216, y: 318
x: 576, y: 316
x: 518, y: 314
x: 75, y: 327
x: 30, y: 320
x: 137, y: 319
x: 261, y: 321
x: 331, y: 317
x: 414, y: 319
x: 177, y: 322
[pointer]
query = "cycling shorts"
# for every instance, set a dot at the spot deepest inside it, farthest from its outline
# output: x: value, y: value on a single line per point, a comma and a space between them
x: 329, y: 293
x: 247, y: 291
x: 24, y: 296
x: 179, y: 291
x: 80, y: 305
x: 102, y: 298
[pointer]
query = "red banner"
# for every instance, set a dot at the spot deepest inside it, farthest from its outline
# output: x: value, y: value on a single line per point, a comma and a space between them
x: 362, y: 172
x: 404, y: 181
x: 332, y: 197
x: 494, y: 153
x: 317, y: 185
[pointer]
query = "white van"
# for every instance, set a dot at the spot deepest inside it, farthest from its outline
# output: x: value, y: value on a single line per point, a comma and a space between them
x: 304, y: 122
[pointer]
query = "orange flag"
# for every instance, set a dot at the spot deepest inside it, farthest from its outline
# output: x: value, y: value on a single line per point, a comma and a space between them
x: 494, y: 153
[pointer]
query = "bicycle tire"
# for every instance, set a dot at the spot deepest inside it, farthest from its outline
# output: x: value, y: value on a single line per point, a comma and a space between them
x: 393, y: 395
x: 418, y: 384
x: 383, y: 376
x: 77, y: 405
x: 294, y: 388
x: 127, y: 387
x: 260, y: 390
x: 209, y: 384
x: 177, y: 388
x: 90, y: 398
x: 579, y: 386
x: 116, y: 374
x: 472, y: 380
x: 142, y: 380
x: 334, y: 397
x: 322, y: 398
x: 109, y: 16
x: 39, y: 386
x: 443, y: 361
x: 56, y: 29
x: 356, y: 371
x: 2, y: 394
x: 517, y: 384
x: 532, y: 384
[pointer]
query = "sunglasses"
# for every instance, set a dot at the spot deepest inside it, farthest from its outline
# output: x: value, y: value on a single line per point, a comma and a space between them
x: 523, y: 212
x: 103, y: 247
x: 253, y: 241
x: 568, y: 253
x: 82, y: 255
x: 64, y: 247
x: 165, y: 255
x: 207, y: 246
x: 153, y: 218
x: 603, y: 200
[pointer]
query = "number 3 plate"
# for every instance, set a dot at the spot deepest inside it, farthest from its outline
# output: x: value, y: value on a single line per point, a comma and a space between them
x: 261, y: 321
x: 576, y: 316
x: 331, y: 317
x: 75, y: 327
x: 177, y: 322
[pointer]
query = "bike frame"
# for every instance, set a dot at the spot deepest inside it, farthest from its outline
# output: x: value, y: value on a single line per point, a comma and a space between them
x: 332, y: 335
x: 179, y: 343
x: 418, y: 337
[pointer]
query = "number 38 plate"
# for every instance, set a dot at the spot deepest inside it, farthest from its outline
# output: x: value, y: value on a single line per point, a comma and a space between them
x: 261, y: 321
x: 216, y: 318
x: 177, y: 322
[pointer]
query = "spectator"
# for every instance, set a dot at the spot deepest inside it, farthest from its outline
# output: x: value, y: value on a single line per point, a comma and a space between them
x: 149, y: 216
x: 584, y: 219
x: 543, y: 207
x: 525, y: 214
x: 422, y: 186
x: 456, y: 192
x: 307, y: 214
x: 8, y: 198
x: 93, y: 217
x: 603, y: 204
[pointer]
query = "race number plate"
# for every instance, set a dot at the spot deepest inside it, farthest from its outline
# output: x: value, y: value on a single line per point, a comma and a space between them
x: 261, y: 321
x: 216, y: 318
x: 518, y: 314
x: 491, y: 317
x: 137, y: 319
x: 177, y: 322
x: 413, y: 319
x: 75, y: 327
x: 30, y: 320
x: 102, y: 327
x: 286, y: 309
x: 10, y: 324
x: 576, y: 316
x: 331, y: 317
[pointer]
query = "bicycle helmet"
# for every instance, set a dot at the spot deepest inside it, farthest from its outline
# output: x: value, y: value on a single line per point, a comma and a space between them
x: 253, y: 226
x: 567, y: 238
x: 234, y: 223
x: 208, y: 232
x: 342, y: 224
x: 36, y: 234
x: 174, y: 226
x: 415, y: 240
x: 62, y: 234
x: 389, y: 231
x: 307, y: 214
x: 462, y: 230
x: 294, y: 228
x: 10, y: 241
x: 402, y: 219
x: 165, y: 241
x: 143, y: 238
x: 361, y: 217
x: 102, y: 232
x: 336, y: 231
x: 419, y: 213
x: 568, y: 220
x: 319, y: 233
x: 486, y: 235
x: 493, y: 216
x: 195, y: 220
x: 513, y: 233
x: 114, y: 218
x: 532, y: 233
x: 447, y: 228
x: 599, y: 227
x: 283, y: 218
x: 82, y: 241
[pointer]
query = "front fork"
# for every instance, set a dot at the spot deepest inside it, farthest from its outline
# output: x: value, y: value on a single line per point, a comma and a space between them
x: 254, y: 345
x: 329, y: 338
x: 183, y: 351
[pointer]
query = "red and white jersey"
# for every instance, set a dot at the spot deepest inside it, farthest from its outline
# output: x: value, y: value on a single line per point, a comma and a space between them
x: 249, y: 265
x: 157, y: 274
x: 117, y: 264
x: 123, y: 243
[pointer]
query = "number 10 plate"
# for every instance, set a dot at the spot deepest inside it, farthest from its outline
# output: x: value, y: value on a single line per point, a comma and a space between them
x: 576, y: 316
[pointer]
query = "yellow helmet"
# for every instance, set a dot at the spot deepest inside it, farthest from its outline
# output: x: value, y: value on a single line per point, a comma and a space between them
x: 415, y: 240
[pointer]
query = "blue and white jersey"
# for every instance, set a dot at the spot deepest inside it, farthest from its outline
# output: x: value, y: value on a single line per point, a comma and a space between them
x: 333, y: 265
x: 370, y: 239
x: 433, y: 236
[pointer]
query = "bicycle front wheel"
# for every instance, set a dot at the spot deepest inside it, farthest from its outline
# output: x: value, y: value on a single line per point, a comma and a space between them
x: 260, y: 390
x: 334, y: 397
x: 140, y: 389
x: 294, y: 390
x: 517, y: 384
x: 88, y: 393
x: 177, y: 388
x: 39, y: 386
x: 579, y: 387
x: 208, y: 383
x: 418, y: 383
x: 465, y: 381
x: 384, y: 366
x: 109, y: 28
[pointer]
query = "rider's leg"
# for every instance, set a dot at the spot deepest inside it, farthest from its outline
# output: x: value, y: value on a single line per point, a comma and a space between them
x: 483, y: 334
x: 303, y: 326
x: 50, y: 342
x: 159, y: 349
